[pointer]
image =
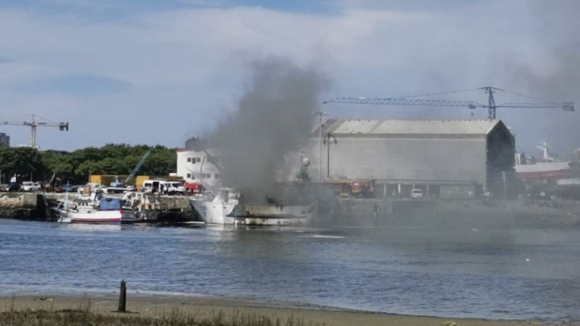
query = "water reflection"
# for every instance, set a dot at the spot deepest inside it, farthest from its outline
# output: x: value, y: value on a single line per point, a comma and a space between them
x: 522, y: 274
x: 80, y: 227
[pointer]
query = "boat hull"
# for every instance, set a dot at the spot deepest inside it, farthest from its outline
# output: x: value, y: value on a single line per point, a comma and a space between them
x: 543, y: 171
x: 273, y: 215
x: 214, y: 212
x: 100, y: 217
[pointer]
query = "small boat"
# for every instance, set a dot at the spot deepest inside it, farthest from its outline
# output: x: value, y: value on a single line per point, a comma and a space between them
x: 95, y: 209
x: 139, y: 207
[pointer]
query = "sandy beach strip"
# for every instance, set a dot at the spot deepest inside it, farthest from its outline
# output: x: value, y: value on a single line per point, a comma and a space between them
x: 151, y: 306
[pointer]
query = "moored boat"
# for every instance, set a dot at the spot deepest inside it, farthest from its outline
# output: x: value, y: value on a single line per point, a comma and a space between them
x: 226, y: 209
x: 95, y: 209
x: 218, y: 209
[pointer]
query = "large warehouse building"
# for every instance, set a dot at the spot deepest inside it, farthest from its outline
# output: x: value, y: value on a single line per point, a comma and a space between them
x: 408, y: 154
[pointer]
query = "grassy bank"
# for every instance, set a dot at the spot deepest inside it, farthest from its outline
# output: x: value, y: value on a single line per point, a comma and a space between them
x: 83, y: 317
x: 182, y: 310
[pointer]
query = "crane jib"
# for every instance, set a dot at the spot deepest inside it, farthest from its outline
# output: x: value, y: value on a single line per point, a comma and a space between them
x: 491, y: 106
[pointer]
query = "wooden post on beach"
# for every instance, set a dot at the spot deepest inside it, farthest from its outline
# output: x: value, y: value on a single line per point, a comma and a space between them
x: 123, y: 296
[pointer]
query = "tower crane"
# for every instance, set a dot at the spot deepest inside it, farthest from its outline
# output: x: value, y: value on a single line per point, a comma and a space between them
x: 62, y: 126
x: 491, y: 106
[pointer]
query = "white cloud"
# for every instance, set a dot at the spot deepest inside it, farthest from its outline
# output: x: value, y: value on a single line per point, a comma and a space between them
x: 185, y: 66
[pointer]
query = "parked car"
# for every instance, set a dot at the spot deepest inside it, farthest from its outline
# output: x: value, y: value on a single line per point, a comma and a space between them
x: 9, y: 187
x: 169, y: 187
x: 30, y: 186
x: 417, y: 193
x: 175, y: 188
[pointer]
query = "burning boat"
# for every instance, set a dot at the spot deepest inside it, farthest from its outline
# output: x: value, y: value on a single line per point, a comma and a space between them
x: 228, y: 208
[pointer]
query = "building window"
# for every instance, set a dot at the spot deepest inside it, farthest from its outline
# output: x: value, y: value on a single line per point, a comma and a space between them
x: 217, y: 176
x: 199, y: 159
x: 193, y: 160
x: 189, y: 175
x: 188, y: 159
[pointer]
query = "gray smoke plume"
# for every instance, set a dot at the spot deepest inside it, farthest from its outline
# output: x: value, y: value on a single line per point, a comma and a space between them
x: 273, y: 118
x: 556, y: 30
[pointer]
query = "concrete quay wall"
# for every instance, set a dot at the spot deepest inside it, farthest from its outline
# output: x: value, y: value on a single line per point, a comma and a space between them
x: 22, y: 205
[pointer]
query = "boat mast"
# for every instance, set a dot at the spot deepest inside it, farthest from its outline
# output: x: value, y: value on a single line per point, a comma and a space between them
x: 66, y: 197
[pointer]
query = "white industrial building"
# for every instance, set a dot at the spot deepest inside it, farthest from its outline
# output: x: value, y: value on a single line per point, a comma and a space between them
x: 414, y: 153
x: 196, y: 166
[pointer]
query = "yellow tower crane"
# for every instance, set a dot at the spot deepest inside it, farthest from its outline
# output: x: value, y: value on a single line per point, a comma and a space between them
x: 62, y: 126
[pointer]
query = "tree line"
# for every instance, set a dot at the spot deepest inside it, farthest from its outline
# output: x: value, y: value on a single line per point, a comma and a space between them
x: 111, y: 159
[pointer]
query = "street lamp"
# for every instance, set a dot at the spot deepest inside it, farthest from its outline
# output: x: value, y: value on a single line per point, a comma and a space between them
x: 329, y: 139
x: 320, y: 114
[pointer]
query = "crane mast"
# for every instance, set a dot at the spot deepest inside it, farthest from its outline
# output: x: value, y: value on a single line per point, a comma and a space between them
x: 491, y: 105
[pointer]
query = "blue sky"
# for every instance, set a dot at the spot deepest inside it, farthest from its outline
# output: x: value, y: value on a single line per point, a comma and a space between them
x: 148, y: 71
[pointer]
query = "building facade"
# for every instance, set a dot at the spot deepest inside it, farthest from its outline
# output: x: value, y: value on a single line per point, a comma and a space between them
x: 196, y: 166
x: 407, y: 154
x: 4, y: 139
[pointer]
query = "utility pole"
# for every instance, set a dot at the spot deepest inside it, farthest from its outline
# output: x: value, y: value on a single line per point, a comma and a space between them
x: 328, y: 143
x: 320, y: 114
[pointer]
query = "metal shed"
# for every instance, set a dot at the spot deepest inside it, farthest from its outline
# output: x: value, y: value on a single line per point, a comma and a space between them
x: 415, y: 152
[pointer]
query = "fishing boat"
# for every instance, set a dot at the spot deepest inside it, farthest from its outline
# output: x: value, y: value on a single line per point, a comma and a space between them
x: 217, y: 209
x: 225, y: 208
x: 95, y: 209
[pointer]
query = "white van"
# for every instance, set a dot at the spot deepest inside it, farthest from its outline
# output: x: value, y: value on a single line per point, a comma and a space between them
x: 169, y: 187
x: 417, y: 193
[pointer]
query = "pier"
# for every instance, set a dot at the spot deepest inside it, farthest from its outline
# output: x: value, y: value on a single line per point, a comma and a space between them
x: 37, y: 206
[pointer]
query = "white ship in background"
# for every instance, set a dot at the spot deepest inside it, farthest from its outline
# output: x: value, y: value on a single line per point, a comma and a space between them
x: 543, y: 169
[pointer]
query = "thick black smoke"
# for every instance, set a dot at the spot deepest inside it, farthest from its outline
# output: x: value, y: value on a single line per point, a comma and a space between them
x: 272, y: 118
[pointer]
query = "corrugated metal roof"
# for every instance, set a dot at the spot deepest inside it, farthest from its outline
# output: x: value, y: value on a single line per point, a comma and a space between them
x: 409, y: 127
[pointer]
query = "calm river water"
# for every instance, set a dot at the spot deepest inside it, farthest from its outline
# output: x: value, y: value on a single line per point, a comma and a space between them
x: 524, y: 274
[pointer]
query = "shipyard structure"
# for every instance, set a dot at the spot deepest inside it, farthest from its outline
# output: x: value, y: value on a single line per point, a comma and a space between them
x: 443, y: 158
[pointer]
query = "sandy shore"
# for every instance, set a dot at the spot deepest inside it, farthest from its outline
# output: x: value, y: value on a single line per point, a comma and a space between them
x: 205, y: 306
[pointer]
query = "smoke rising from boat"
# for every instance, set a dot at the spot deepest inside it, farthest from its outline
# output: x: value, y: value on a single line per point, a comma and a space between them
x: 272, y: 118
x: 555, y: 27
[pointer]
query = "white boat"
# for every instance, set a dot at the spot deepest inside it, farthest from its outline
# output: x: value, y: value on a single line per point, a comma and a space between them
x: 225, y: 209
x: 546, y: 168
x: 90, y: 216
x: 218, y: 209
x: 95, y: 209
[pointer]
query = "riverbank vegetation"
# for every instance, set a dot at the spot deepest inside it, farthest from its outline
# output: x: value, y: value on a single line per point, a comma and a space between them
x: 112, y: 159
x: 83, y: 317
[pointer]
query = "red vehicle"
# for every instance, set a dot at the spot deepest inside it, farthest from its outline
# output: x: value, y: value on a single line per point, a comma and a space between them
x: 354, y: 188
x: 194, y: 188
x: 362, y: 188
